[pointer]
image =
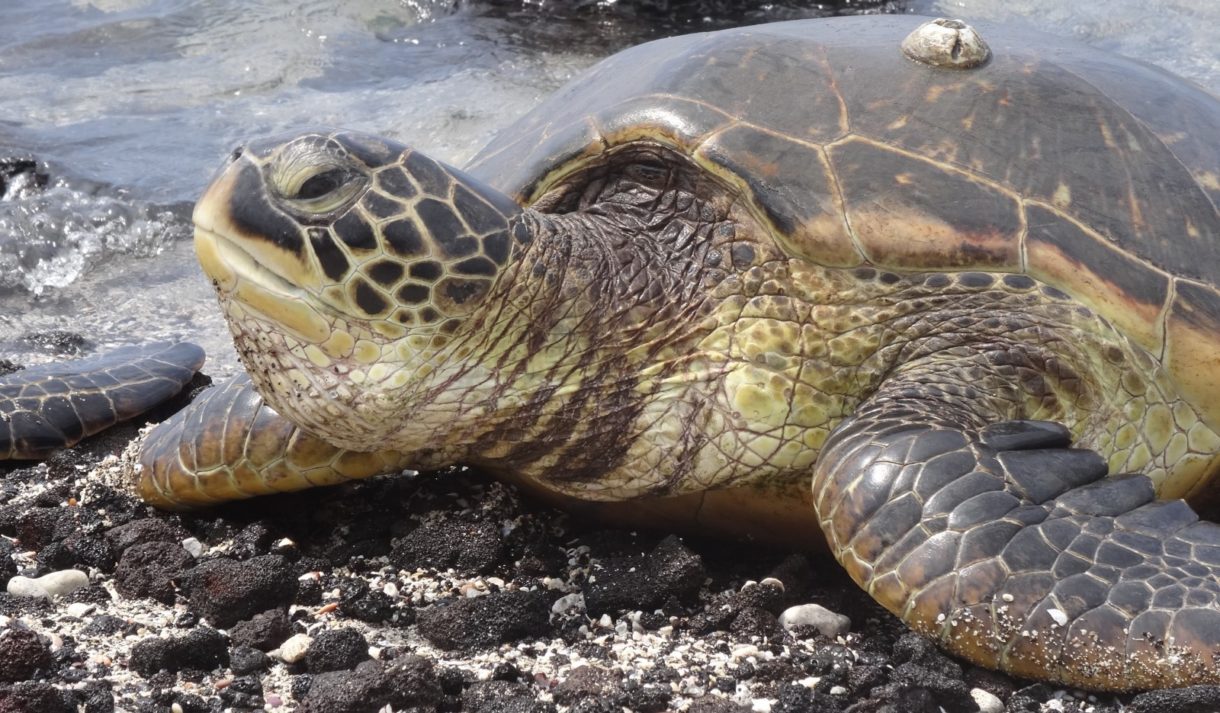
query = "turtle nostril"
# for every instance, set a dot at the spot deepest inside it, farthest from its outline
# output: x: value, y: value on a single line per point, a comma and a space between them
x: 237, y: 152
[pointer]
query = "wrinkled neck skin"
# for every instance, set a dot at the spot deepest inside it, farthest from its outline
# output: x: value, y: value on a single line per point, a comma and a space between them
x: 596, y: 322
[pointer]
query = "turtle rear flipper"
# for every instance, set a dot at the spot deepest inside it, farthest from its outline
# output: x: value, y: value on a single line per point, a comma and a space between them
x: 229, y: 444
x: 44, y: 408
x: 1016, y: 551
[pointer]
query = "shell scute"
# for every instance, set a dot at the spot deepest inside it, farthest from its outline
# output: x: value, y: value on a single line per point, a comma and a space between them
x: 1128, y: 291
x: 794, y: 185
x: 909, y: 213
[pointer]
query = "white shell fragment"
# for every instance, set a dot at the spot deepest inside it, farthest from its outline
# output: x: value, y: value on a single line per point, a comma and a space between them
x: 49, y: 586
x: 829, y: 624
x: 293, y: 650
x: 948, y: 44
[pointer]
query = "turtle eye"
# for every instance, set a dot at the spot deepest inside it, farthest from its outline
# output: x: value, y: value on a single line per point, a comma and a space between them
x: 323, y: 189
x: 317, y: 186
x: 649, y: 172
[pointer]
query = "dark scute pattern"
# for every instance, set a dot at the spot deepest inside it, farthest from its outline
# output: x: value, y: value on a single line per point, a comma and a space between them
x: 975, y: 280
x: 1134, y: 146
x: 445, y: 229
x: 786, y: 178
x: 966, y: 223
x: 381, y: 207
x: 403, y: 237
x: 478, y: 266
x: 480, y: 216
x: 373, y: 151
x: 413, y: 294
x: 1019, y: 282
x: 332, y: 259
x: 368, y: 299
x: 395, y: 183
x: 429, y: 270
x: 258, y: 219
x: 355, y: 232
x: 432, y: 179
x: 459, y: 292
x: 386, y: 272
x: 495, y: 246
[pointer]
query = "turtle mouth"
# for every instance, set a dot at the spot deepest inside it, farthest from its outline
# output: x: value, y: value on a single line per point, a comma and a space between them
x: 228, y: 264
x: 239, y: 276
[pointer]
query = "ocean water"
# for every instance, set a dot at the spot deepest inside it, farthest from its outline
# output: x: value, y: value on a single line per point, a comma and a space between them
x: 126, y: 107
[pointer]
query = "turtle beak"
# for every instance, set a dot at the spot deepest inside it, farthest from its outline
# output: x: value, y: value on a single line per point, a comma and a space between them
x: 233, y: 247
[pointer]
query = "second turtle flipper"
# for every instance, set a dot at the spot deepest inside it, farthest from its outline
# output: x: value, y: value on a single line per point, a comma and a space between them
x: 1015, y: 551
x: 230, y: 445
x: 44, y: 408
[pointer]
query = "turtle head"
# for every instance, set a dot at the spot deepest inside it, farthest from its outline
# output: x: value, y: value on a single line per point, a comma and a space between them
x: 345, y: 264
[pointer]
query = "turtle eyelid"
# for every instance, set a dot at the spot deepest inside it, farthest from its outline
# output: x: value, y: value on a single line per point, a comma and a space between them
x: 322, y: 183
x: 647, y: 171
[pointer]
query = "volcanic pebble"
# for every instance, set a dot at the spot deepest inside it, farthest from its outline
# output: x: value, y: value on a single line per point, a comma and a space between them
x: 1195, y: 699
x: 488, y: 620
x: 30, y: 697
x: 141, y: 531
x: 227, y: 591
x: 408, y: 683
x: 22, y: 652
x: 336, y: 650
x: 149, y: 569
x: 503, y: 697
x: 202, y: 649
x: 263, y: 631
x: 468, y: 547
x: 646, y: 580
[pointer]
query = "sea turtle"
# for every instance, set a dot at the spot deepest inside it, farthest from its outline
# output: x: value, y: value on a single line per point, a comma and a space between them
x: 801, y: 281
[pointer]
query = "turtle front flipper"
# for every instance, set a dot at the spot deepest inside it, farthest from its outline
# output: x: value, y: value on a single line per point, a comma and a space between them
x: 44, y: 408
x: 230, y: 445
x: 1015, y: 551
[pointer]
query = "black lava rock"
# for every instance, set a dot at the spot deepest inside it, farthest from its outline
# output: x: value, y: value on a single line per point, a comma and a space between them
x: 755, y: 621
x: 635, y: 582
x: 715, y: 704
x: 227, y: 591
x: 8, y: 567
x: 768, y: 596
x: 921, y: 689
x: 243, y: 692
x: 913, y: 648
x: 468, y: 547
x: 488, y: 620
x: 1030, y: 698
x: 29, y: 697
x: 79, y: 549
x: 359, y: 601
x: 203, y: 649
x: 407, y: 683
x: 336, y: 650
x: 263, y: 631
x: 1195, y: 699
x: 795, y: 698
x: 22, y: 653
x: 144, y: 530
x: 502, y: 697
x: 38, y: 527
x: 585, y: 682
x: 90, y: 697
x: 245, y: 660
x: 149, y: 569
